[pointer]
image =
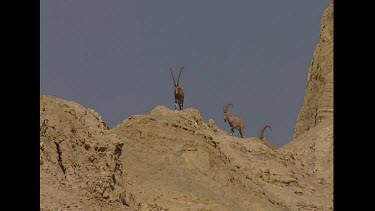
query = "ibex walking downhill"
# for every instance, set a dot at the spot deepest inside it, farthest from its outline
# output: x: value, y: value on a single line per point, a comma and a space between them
x: 234, y: 122
x: 178, y: 91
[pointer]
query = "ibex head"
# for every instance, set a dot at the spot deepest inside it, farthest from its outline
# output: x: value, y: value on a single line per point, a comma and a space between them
x: 226, y: 113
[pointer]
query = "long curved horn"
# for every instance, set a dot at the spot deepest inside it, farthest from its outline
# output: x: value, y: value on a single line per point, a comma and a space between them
x: 230, y: 104
x: 178, y: 79
x: 174, y: 82
x: 226, y: 107
x: 261, y: 131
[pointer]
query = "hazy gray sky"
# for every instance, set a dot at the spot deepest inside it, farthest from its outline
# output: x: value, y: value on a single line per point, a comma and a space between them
x: 114, y: 56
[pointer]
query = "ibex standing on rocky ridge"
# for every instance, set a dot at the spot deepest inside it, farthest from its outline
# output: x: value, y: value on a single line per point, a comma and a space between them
x: 261, y: 132
x: 178, y: 91
x: 234, y: 122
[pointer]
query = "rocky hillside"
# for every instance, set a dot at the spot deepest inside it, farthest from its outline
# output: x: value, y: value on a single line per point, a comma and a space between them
x: 312, y: 144
x: 181, y: 163
x: 166, y: 160
x: 318, y: 101
x: 80, y: 162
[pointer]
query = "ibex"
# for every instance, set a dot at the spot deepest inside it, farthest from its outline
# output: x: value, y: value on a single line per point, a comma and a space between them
x: 261, y: 132
x: 178, y: 91
x: 234, y: 122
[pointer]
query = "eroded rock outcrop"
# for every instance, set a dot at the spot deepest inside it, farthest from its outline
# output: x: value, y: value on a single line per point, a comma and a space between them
x: 166, y: 160
x: 175, y: 161
x: 318, y: 101
x: 80, y: 162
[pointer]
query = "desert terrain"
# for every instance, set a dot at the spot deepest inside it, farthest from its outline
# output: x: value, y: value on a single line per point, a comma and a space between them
x: 167, y: 160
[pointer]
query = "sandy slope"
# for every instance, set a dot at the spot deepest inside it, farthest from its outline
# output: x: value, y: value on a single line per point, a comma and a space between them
x: 169, y: 161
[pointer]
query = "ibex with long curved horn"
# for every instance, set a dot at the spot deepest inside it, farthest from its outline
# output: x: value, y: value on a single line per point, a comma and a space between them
x: 234, y: 122
x: 261, y: 132
x: 178, y: 91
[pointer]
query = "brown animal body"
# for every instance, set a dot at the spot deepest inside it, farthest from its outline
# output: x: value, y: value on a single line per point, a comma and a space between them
x: 178, y: 91
x: 234, y: 122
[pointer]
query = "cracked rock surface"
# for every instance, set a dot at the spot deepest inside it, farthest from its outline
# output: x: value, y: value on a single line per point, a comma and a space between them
x: 170, y: 160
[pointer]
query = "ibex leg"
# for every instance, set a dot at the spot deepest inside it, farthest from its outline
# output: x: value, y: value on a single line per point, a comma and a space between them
x: 231, y: 132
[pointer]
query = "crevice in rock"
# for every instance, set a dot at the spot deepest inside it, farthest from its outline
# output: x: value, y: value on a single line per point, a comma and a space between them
x: 60, y: 157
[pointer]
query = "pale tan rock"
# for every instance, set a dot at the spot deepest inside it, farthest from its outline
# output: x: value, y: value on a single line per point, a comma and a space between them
x: 318, y: 100
x: 164, y: 161
x: 77, y: 157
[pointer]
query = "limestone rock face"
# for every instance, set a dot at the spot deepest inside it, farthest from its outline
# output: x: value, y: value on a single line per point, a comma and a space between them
x: 318, y: 101
x: 168, y: 160
x: 175, y: 161
x: 312, y: 145
x: 80, y: 162
x: 314, y: 151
